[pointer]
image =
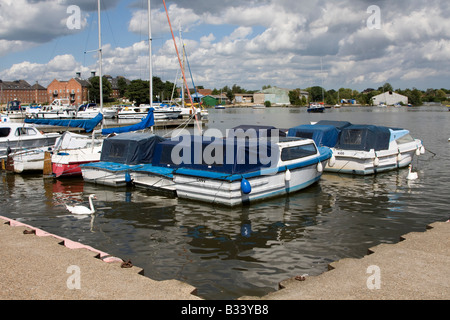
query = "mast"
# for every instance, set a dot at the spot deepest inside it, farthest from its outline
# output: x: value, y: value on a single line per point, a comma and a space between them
x: 150, y: 67
x: 100, y: 58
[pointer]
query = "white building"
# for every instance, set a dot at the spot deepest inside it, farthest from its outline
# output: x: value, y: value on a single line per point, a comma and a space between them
x: 389, y: 98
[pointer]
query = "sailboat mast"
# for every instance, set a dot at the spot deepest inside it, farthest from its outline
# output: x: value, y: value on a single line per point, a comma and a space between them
x: 150, y: 67
x: 100, y: 58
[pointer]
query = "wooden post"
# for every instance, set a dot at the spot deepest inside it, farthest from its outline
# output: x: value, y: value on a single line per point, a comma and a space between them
x: 48, y: 171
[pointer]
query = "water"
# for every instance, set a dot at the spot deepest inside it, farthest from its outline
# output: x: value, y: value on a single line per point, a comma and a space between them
x: 228, y: 253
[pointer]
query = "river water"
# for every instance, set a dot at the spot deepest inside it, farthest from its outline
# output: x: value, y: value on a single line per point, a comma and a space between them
x: 228, y: 253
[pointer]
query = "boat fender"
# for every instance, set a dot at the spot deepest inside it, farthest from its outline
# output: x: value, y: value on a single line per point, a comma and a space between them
x: 332, y: 161
x: 320, y: 167
x: 422, y: 150
x: 376, y: 162
x: 399, y: 157
x: 246, y: 188
x: 127, y: 177
x: 287, y: 175
x: 418, y: 152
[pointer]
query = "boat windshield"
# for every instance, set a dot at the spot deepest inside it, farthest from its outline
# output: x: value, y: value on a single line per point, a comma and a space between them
x: 297, y: 152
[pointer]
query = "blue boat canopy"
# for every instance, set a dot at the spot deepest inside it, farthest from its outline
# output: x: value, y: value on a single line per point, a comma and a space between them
x: 148, y: 121
x: 88, y: 125
x: 229, y: 156
x: 364, y: 138
x: 130, y: 148
x: 323, y: 135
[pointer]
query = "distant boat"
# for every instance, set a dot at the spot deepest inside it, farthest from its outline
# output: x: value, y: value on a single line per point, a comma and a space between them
x: 259, y: 106
x: 90, y: 110
x: 316, y: 108
x: 160, y: 112
x: 220, y: 106
x: 58, y: 109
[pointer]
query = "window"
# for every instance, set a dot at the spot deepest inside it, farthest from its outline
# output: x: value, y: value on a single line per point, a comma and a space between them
x: 352, y: 137
x: 298, y: 152
x: 4, y: 132
x: 26, y: 132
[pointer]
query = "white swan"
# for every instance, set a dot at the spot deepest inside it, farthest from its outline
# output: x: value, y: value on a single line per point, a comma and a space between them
x: 412, y: 175
x: 83, y: 209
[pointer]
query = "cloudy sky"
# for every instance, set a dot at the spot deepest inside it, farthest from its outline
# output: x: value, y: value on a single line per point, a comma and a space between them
x: 286, y: 43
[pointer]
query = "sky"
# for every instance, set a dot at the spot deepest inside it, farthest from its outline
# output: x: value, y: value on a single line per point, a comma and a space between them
x: 285, y: 43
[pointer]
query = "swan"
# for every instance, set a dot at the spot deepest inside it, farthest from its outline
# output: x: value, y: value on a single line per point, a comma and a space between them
x: 83, y: 209
x: 412, y: 175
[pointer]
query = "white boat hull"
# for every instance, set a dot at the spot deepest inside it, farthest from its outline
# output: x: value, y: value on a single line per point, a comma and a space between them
x: 115, y: 175
x: 154, y: 182
x: 229, y: 193
x: 371, y: 162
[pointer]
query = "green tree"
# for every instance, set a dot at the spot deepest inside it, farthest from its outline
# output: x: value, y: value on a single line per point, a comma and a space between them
x: 139, y: 91
x: 294, y: 97
x: 122, y: 85
x: 94, y: 88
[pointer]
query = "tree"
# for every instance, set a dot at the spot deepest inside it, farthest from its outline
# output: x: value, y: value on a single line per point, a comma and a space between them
x: 139, y: 91
x: 94, y: 88
x: 294, y: 97
x: 316, y: 93
x: 122, y: 86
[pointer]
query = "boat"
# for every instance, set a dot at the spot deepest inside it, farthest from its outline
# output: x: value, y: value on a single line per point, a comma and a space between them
x: 120, y: 154
x: 58, y: 109
x: 72, y: 150
x: 362, y: 149
x: 161, y: 113
x: 316, y: 108
x: 259, y: 106
x: 90, y: 110
x: 15, y: 137
x: 34, y: 158
x: 14, y: 110
x: 247, y: 170
x: 219, y: 106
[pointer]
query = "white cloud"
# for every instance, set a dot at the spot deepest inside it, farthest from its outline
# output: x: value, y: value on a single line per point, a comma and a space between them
x: 260, y: 42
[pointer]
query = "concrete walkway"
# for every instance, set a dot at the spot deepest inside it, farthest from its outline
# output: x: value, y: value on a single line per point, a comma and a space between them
x: 41, y: 266
x: 417, y: 268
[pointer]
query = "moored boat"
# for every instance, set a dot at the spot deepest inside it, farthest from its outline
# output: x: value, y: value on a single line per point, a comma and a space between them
x: 15, y: 137
x: 120, y: 154
x: 363, y: 149
x: 250, y: 170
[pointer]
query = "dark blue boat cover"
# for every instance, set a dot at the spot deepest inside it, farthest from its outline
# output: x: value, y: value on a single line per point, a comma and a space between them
x: 338, y: 124
x: 364, y: 138
x: 130, y: 148
x: 230, y: 156
x: 87, y: 125
x: 148, y: 121
x: 323, y: 135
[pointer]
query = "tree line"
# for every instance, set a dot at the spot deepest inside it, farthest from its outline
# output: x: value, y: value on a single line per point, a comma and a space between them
x: 138, y: 91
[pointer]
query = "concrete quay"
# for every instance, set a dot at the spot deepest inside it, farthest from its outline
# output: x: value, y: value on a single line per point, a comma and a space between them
x: 416, y: 268
x: 36, y: 265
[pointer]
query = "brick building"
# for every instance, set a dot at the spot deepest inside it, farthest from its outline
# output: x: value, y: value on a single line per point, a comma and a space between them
x: 22, y: 91
x: 76, y: 90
